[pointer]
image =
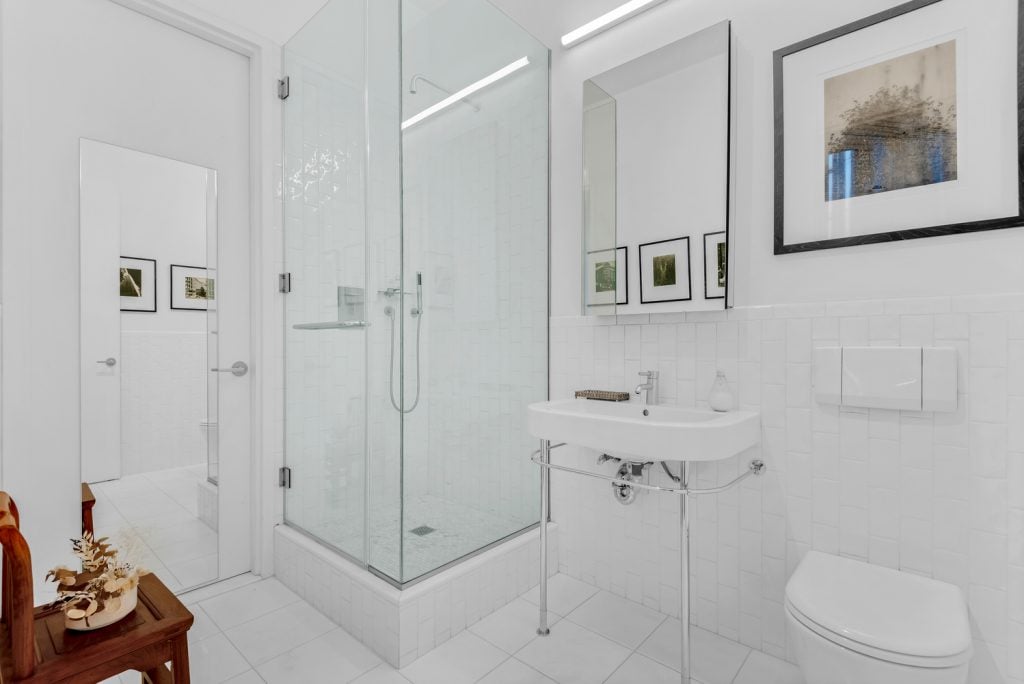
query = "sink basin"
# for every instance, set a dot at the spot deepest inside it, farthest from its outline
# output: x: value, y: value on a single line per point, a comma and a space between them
x: 665, y: 433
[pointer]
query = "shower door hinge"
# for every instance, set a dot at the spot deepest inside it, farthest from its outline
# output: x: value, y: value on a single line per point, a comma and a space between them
x: 284, y: 283
x: 284, y: 88
x: 284, y: 477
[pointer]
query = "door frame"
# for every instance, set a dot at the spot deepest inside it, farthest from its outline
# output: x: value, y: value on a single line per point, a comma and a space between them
x: 266, y: 338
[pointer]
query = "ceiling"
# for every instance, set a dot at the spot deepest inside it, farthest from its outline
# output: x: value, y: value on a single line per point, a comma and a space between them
x: 279, y: 20
x: 549, y: 20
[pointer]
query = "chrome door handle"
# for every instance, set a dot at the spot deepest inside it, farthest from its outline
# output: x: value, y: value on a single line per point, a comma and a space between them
x: 111, y: 362
x: 238, y: 369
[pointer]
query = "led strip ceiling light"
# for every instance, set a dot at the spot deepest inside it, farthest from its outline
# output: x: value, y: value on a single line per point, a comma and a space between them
x: 606, y: 21
x: 467, y: 91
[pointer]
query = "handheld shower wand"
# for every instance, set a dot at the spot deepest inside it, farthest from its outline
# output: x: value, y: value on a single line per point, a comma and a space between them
x: 416, y: 313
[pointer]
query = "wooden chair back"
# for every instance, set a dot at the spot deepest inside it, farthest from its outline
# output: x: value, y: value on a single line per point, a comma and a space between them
x: 16, y: 602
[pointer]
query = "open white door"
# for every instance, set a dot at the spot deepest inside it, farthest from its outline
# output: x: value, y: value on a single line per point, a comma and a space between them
x: 165, y: 435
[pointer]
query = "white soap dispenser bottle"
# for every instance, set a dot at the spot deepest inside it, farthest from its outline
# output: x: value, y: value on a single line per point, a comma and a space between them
x: 721, y: 398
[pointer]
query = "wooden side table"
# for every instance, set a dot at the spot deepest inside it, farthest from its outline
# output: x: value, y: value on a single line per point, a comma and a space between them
x: 155, y: 633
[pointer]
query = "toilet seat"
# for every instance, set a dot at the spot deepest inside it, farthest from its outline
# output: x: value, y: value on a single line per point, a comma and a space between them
x: 881, y: 613
x: 881, y: 654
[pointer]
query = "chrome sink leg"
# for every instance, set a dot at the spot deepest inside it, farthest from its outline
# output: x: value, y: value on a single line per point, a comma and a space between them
x: 684, y: 565
x: 545, y: 484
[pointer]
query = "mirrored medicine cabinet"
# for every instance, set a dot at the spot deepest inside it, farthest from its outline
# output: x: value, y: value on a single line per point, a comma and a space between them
x: 656, y: 169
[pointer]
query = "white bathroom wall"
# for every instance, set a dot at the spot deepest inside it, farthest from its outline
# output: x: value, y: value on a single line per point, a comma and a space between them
x: 965, y: 264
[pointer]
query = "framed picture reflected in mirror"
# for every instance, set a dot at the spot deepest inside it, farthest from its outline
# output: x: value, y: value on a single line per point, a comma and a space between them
x: 137, y: 284
x: 193, y: 288
x: 715, y: 265
x: 665, y: 271
x: 608, y: 277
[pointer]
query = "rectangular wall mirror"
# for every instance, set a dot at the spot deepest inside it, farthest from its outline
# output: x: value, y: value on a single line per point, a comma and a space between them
x: 656, y: 180
x: 149, y: 339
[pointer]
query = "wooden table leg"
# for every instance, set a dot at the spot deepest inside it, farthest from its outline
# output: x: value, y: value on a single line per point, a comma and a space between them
x: 87, y: 524
x: 158, y: 675
x: 88, y: 501
x: 179, y: 660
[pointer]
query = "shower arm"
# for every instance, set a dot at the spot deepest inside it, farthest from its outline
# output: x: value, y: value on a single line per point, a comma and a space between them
x: 421, y: 77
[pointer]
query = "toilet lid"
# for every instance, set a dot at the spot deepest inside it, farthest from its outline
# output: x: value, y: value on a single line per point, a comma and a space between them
x: 882, y: 609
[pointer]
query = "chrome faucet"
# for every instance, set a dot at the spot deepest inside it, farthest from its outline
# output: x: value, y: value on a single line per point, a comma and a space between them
x: 649, y: 389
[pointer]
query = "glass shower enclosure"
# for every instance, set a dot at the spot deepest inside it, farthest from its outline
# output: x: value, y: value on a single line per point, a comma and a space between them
x: 415, y: 188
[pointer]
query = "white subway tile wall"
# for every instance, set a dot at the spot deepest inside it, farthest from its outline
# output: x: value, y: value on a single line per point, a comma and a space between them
x: 401, y: 626
x: 940, y: 494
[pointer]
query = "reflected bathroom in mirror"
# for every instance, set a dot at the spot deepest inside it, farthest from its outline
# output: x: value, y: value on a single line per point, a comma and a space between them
x: 148, y: 400
x: 656, y: 180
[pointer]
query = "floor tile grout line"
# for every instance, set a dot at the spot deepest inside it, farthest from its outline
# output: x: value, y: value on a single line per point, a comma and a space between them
x: 531, y: 667
x: 618, y: 667
x: 742, y: 665
x: 249, y: 579
x: 222, y: 629
x: 308, y: 641
x: 616, y: 641
x: 484, y: 675
x: 651, y: 636
x: 632, y: 651
x: 361, y: 674
x: 254, y: 667
x: 481, y: 636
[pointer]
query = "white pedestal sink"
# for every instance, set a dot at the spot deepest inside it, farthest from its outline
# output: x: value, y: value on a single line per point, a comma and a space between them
x: 650, y: 433
x: 636, y: 432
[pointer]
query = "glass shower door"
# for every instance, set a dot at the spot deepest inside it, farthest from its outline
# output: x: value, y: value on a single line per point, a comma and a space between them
x: 324, y: 195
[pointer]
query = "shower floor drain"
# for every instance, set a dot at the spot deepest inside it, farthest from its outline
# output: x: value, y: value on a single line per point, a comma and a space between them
x: 423, y: 531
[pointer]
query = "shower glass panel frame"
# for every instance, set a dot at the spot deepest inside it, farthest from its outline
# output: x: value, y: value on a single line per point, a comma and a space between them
x: 415, y: 193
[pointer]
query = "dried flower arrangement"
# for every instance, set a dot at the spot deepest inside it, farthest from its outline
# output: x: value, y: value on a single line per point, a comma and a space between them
x: 104, y: 592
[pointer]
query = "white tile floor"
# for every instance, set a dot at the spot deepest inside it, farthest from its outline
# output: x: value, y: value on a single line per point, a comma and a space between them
x: 249, y: 631
x: 156, y: 515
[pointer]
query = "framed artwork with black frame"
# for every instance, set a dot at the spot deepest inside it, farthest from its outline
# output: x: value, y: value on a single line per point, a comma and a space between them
x: 902, y: 125
x: 137, y: 284
x: 665, y: 271
x: 192, y: 288
x: 716, y: 264
x: 608, y: 277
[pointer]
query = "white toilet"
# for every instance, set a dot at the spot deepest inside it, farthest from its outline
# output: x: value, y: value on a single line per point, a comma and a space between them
x: 855, y: 623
